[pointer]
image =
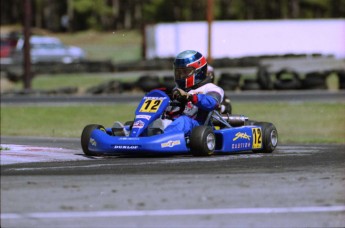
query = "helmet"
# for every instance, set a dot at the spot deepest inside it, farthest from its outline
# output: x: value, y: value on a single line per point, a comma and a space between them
x: 190, y: 68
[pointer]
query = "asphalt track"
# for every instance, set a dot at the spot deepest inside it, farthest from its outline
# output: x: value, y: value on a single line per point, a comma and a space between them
x: 296, y: 186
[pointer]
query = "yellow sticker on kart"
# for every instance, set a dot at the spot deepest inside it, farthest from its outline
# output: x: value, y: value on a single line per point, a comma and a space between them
x: 257, y: 138
x: 151, y: 105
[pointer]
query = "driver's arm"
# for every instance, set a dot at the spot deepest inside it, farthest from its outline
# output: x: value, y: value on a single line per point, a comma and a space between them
x: 207, y: 102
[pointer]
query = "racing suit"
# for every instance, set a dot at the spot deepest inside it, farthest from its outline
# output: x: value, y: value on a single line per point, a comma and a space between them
x: 204, y: 100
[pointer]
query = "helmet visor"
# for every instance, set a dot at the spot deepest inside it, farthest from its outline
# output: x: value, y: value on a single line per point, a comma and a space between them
x: 183, y: 72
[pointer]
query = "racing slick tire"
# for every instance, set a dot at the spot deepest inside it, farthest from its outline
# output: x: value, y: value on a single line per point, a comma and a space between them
x: 85, y: 138
x: 202, y: 141
x: 269, y: 137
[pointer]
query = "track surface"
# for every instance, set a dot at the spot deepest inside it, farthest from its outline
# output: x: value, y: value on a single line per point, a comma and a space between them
x: 296, y: 186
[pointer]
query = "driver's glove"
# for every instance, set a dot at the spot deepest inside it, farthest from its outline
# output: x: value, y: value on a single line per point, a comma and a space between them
x: 183, y: 97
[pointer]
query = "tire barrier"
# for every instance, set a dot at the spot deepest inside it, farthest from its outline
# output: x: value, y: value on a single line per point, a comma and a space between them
x: 109, y: 87
x: 148, y: 82
x: 144, y: 83
x: 250, y: 84
x: 264, y: 78
x: 14, y: 77
x: 314, y: 80
x: 341, y: 79
x: 287, y: 79
x: 229, y: 81
x: 168, y: 82
x: 128, y: 86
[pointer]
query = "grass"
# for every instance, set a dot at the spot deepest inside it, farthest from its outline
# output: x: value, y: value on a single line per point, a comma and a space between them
x: 296, y: 122
x: 52, y: 121
x: 305, y: 122
x: 119, y: 46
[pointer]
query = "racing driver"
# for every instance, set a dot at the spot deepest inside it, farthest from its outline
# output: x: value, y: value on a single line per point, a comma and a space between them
x: 195, y: 89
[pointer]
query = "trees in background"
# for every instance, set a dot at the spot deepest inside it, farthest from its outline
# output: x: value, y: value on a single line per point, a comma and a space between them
x: 76, y: 15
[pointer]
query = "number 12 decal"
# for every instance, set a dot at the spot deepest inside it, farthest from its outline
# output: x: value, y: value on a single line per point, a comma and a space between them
x: 150, y: 105
x: 257, y: 138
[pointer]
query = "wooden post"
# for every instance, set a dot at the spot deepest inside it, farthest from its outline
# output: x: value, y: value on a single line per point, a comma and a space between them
x: 209, y: 16
x: 27, y: 57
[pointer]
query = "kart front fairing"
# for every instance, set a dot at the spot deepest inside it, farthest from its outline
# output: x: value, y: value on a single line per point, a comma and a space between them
x: 151, y: 107
x: 104, y: 143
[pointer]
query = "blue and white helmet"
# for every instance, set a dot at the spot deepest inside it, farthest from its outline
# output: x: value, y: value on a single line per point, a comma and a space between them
x: 190, y: 68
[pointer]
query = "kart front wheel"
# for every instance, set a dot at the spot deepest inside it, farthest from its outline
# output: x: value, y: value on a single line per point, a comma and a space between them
x: 85, y: 138
x: 202, y: 141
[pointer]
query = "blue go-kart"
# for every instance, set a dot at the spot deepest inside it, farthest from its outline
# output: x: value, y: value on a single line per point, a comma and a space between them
x: 220, y: 134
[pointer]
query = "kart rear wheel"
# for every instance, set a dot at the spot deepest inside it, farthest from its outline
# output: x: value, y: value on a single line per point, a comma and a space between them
x: 269, y: 137
x: 202, y: 141
x: 85, y: 138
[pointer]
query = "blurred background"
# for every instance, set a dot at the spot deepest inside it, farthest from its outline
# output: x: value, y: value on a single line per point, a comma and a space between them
x: 128, y: 45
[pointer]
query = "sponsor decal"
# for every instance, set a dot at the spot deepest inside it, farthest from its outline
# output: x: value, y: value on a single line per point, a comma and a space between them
x: 129, y: 138
x: 240, y: 145
x: 126, y: 147
x: 241, y: 135
x: 93, y: 142
x: 154, y: 98
x: 170, y: 143
x: 138, y: 124
x: 143, y: 117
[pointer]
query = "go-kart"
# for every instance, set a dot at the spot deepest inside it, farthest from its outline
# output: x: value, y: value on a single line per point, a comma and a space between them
x: 220, y: 134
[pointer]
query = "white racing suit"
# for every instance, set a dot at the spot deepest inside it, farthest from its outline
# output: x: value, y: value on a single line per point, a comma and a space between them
x: 205, y: 99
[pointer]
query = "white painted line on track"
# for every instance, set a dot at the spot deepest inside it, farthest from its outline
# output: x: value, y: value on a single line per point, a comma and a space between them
x: 172, y: 212
x: 13, y: 154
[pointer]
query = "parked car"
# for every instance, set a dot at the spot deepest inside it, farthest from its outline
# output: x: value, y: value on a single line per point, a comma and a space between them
x: 5, y: 49
x: 48, y: 49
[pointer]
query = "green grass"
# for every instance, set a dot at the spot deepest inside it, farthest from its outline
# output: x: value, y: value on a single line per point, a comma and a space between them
x: 303, y: 122
x: 119, y: 46
x: 296, y: 122
x: 66, y: 121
